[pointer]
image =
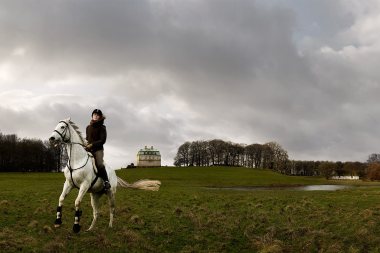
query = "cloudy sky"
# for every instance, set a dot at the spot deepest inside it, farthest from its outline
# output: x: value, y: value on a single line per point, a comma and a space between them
x: 305, y: 74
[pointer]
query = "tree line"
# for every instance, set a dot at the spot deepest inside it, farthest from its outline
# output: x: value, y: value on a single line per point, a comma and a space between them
x: 327, y: 168
x: 25, y: 155
x: 218, y: 152
x: 270, y: 155
x: 369, y: 170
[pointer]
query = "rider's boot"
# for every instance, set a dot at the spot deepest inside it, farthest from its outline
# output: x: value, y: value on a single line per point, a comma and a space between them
x: 103, y: 174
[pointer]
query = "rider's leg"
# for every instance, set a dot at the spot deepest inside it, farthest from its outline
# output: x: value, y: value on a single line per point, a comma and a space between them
x: 101, y: 168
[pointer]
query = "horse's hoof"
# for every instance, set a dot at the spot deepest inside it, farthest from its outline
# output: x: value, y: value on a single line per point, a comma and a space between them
x: 57, y: 225
x: 76, y: 228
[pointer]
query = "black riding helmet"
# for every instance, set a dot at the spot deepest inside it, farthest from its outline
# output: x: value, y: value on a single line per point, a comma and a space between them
x: 97, y: 111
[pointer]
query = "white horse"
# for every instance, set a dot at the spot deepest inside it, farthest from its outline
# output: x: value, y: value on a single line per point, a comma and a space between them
x: 81, y: 173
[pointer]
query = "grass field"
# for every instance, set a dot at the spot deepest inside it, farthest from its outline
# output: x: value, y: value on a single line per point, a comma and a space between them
x: 185, y: 216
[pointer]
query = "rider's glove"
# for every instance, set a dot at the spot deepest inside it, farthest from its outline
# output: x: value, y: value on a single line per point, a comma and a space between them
x: 88, y: 147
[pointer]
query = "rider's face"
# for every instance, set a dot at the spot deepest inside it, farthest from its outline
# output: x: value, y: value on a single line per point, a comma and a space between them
x: 95, y: 116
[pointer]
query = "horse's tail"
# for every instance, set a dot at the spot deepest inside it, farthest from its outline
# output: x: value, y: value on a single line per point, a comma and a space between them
x: 145, y: 184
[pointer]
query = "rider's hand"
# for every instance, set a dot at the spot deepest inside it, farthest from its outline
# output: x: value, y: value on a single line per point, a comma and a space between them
x: 88, y: 147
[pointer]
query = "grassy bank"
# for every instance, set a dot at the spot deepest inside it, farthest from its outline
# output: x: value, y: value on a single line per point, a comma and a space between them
x: 184, y: 216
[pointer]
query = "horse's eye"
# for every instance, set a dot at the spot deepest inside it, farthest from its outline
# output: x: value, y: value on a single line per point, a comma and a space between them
x: 62, y: 127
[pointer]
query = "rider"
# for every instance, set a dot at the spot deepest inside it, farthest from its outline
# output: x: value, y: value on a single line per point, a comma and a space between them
x: 96, y: 135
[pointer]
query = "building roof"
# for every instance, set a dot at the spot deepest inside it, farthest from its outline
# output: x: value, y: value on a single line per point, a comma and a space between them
x: 149, y: 151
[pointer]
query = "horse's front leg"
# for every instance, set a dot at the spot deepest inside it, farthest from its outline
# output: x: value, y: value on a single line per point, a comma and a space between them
x: 82, y: 191
x: 66, y: 189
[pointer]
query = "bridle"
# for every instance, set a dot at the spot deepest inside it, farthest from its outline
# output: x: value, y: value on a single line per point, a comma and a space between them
x: 63, y: 134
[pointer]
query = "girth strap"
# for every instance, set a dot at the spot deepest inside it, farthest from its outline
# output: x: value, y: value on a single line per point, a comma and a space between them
x: 72, y: 179
x: 92, y: 183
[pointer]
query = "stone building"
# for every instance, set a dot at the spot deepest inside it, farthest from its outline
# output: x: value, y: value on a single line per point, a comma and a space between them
x: 148, y: 157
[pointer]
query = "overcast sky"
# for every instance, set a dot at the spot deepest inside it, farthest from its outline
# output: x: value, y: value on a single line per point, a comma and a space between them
x: 305, y: 74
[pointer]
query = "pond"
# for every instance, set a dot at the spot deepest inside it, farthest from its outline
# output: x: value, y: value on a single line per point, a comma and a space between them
x: 324, y: 187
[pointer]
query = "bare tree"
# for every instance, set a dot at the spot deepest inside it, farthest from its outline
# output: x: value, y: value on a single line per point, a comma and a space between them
x: 234, y: 151
x: 183, y: 155
x: 198, y: 153
x: 279, y: 157
x: 373, y: 158
x: 267, y: 157
x: 254, y: 154
x: 216, y: 150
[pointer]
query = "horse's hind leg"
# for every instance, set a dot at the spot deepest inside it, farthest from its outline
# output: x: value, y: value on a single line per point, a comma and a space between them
x: 95, y: 208
x: 111, y: 199
x: 66, y: 189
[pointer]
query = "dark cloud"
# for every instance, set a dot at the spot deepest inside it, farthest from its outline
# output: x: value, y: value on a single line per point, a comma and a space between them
x: 166, y: 72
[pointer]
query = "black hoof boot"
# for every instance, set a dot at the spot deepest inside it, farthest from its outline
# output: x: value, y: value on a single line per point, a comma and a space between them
x: 58, y: 222
x: 76, y: 228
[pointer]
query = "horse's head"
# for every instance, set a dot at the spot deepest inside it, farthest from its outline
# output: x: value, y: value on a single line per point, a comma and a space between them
x: 61, y: 132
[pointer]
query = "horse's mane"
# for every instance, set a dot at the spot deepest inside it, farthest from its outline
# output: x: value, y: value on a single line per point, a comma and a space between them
x: 76, y: 128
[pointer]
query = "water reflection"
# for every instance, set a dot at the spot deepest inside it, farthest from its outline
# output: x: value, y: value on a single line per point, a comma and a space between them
x: 325, y: 187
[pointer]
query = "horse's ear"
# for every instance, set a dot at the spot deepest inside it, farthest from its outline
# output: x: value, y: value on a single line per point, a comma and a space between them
x: 68, y: 119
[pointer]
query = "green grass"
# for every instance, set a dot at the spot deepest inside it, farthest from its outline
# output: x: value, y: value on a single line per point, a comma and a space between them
x: 185, y: 216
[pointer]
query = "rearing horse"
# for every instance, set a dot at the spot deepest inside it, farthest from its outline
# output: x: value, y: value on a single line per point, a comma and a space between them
x: 80, y: 172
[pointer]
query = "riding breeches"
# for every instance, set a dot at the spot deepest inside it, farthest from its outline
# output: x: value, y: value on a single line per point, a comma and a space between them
x: 99, y: 162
